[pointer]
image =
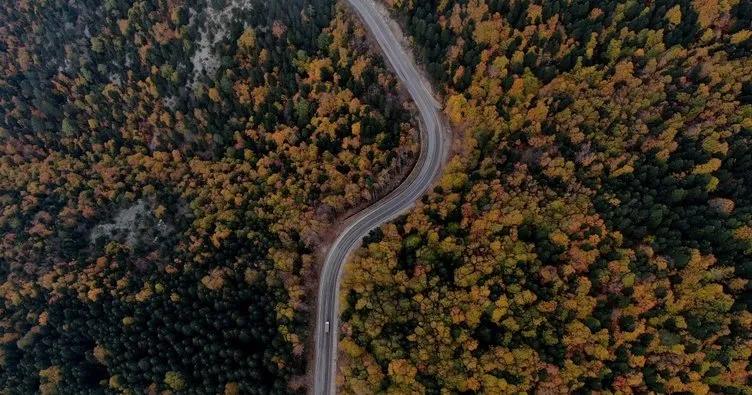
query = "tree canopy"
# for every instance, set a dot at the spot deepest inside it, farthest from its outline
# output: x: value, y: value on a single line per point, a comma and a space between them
x: 592, y: 234
x: 167, y: 170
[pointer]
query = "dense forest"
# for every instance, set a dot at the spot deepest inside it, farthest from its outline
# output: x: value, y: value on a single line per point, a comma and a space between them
x: 593, y: 231
x: 167, y: 170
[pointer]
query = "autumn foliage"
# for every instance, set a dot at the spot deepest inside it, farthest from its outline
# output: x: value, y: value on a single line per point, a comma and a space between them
x: 157, y: 220
x: 593, y: 232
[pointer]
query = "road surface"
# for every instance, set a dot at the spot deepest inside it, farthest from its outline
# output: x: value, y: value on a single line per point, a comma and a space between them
x: 434, y: 151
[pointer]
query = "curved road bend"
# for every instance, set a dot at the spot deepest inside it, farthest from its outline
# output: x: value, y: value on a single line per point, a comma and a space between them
x: 434, y: 150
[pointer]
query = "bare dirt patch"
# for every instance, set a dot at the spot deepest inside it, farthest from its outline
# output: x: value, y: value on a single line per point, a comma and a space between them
x: 131, y: 226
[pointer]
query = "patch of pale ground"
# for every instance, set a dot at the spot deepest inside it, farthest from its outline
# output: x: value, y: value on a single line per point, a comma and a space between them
x: 213, y: 31
x: 132, y: 225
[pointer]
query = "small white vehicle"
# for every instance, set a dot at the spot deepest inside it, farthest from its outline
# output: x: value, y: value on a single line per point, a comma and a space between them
x: 326, y: 327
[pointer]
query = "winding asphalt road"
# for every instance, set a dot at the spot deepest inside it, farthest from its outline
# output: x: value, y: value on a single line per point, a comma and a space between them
x: 434, y: 151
